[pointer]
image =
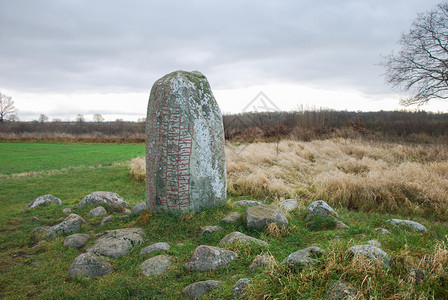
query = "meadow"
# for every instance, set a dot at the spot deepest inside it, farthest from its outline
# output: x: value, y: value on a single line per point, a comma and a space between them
x: 367, y: 183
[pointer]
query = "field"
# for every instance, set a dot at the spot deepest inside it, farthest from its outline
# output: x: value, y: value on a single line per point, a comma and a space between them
x: 367, y: 183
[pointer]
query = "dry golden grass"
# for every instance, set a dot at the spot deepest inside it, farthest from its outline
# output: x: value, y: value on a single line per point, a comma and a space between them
x: 350, y: 173
x: 138, y: 168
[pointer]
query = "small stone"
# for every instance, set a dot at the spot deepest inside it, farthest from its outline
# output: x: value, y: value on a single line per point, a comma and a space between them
x: 340, y: 290
x: 242, y: 238
x: 320, y: 208
x: 139, y: 209
x: 44, y: 200
x: 117, y: 242
x: 208, y: 258
x: 240, y: 287
x: 262, y: 261
x: 67, y: 211
x: 98, y: 212
x: 375, y: 243
x: 155, y: 247
x: 232, y: 218
x: 156, y: 265
x: 382, y: 231
x: 260, y: 216
x: 108, y: 199
x: 371, y: 252
x: 340, y: 225
x: 106, y: 220
x: 303, y: 257
x: 417, y: 275
x: 70, y: 224
x: 198, y: 289
x: 246, y: 203
x: 90, y: 265
x: 210, y: 229
x: 408, y: 223
x: 77, y: 240
x: 288, y: 205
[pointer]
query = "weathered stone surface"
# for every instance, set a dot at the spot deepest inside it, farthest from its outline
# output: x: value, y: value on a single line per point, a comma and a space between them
x: 262, y: 261
x: 90, y: 265
x: 246, y: 203
x: 320, y: 208
x: 232, y: 218
x: 340, y: 290
x: 382, y: 231
x: 240, y: 237
x: 211, y: 228
x: 303, y: 257
x: 139, y: 209
x: 185, y: 160
x: 71, y: 224
x: 67, y: 211
x: 107, y: 199
x: 97, y: 212
x: 208, y: 258
x: 106, y: 220
x: 77, y: 240
x: 155, y: 247
x: 117, y: 242
x: 408, y: 223
x: 259, y: 216
x: 288, y: 204
x: 44, y: 200
x: 156, y: 265
x: 375, y: 243
x: 240, y: 287
x: 371, y: 252
x: 198, y: 289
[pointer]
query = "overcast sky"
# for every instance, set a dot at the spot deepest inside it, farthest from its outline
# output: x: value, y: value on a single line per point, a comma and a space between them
x: 65, y: 57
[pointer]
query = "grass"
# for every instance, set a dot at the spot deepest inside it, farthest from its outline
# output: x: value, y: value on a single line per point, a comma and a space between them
x: 20, y: 278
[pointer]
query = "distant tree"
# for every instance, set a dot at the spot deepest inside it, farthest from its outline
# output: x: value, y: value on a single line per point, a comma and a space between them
x: 80, y: 118
x: 119, y: 120
x: 43, y: 118
x: 6, y: 106
x: 141, y: 120
x: 13, y: 118
x: 421, y: 66
x: 98, y: 118
x: 56, y: 120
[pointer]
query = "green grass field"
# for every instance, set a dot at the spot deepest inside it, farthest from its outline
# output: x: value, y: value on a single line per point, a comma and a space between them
x: 38, y: 270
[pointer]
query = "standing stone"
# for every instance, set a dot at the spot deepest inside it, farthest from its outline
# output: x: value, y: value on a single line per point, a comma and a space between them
x: 185, y: 160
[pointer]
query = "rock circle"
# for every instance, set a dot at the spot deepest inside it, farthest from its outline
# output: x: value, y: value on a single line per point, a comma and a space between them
x: 70, y: 224
x: 288, y: 205
x: 117, y: 242
x: 156, y: 265
x: 90, y: 265
x: 97, y: 212
x: 260, y: 216
x: 110, y: 200
x: 320, y: 208
x: 242, y: 238
x: 44, y: 200
x: 303, y: 257
x: 408, y: 223
x: 77, y: 240
x: 209, y: 258
x: 198, y: 289
x: 162, y: 246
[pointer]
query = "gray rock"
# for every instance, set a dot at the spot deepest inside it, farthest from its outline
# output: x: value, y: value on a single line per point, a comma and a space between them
x: 371, y: 252
x: 139, y: 209
x: 98, y: 212
x: 375, y: 243
x: 340, y: 225
x: 155, y: 247
x: 117, y: 242
x: 67, y: 211
x: 262, y: 261
x: 211, y: 228
x: 382, y: 231
x: 70, y: 224
x: 408, y: 223
x: 40, y: 233
x: 106, y: 199
x: 246, y: 203
x: 208, y: 258
x: 90, y: 265
x: 127, y: 211
x: 288, y: 204
x: 340, y: 290
x: 320, y: 208
x: 185, y: 160
x: 156, y: 265
x: 232, y: 218
x: 240, y: 287
x: 77, y: 240
x: 303, y: 257
x: 106, y: 220
x: 44, y: 200
x: 242, y: 238
x: 260, y: 216
x: 198, y: 289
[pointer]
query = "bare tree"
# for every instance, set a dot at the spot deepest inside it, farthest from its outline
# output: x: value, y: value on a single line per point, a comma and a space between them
x: 420, y: 68
x: 6, y: 106
x: 98, y: 118
x: 43, y: 118
x: 80, y: 118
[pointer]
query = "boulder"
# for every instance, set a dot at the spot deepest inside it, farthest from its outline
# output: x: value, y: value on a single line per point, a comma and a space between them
x: 156, y: 265
x: 208, y: 258
x: 155, y: 247
x: 117, y: 242
x: 211, y: 228
x: 262, y: 261
x: 408, y: 223
x: 97, y: 212
x: 240, y: 287
x: 77, y: 240
x: 340, y: 290
x: 288, y: 204
x: 259, y: 216
x: 382, y: 231
x: 371, y: 252
x: 70, y: 224
x: 185, y: 159
x: 90, y: 265
x: 320, y: 208
x: 44, y: 200
x: 232, y: 218
x: 198, y: 289
x: 303, y: 257
x: 139, y: 209
x: 242, y: 238
x: 246, y: 203
x: 107, y: 199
